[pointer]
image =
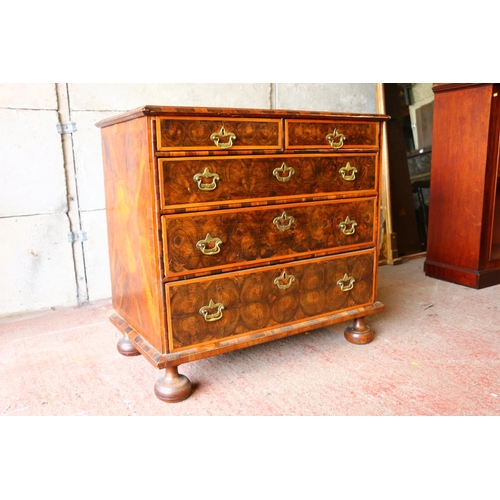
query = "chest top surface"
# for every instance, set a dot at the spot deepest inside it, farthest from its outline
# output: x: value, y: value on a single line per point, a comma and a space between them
x: 186, y: 111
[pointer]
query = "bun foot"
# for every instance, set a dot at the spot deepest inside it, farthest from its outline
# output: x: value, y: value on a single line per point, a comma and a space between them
x: 173, y: 387
x: 125, y: 347
x: 359, y: 332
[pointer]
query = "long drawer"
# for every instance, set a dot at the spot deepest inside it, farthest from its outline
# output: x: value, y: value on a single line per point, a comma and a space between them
x: 209, y: 134
x: 326, y: 134
x: 212, y: 309
x: 225, y: 180
x: 238, y: 238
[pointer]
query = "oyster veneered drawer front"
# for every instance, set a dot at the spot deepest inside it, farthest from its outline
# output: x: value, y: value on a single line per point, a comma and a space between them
x: 227, y: 239
x: 337, y: 135
x: 206, y: 134
x: 214, y: 309
x: 224, y: 180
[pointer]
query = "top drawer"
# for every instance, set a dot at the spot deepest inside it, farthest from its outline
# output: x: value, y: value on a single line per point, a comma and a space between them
x: 325, y: 134
x: 212, y: 134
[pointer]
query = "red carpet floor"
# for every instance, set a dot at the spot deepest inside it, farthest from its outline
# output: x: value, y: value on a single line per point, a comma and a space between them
x: 436, y: 352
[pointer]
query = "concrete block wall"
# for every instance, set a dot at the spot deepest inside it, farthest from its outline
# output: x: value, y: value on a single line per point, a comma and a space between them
x: 52, y: 184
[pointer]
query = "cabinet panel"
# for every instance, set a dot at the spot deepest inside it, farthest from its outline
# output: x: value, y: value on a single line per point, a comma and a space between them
x: 225, y: 180
x: 236, y: 238
x: 175, y: 133
x: 213, y: 309
x: 464, y: 178
x: 307, y: 134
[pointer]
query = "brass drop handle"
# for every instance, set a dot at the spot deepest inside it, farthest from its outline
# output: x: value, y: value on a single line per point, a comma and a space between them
x: 283, y: 222
x: 228, y: 138
x: 348, y: 227
x: 348, y: 172
x: 335, y: 139
x: 201, y: 180
x: 212, y: 312
x: 283, y: 173
x: 284, y: 281
x: 209, y: 246
x: 346, y: 283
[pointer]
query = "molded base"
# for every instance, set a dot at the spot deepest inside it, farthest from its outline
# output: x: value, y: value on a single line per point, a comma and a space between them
x: 467, y: 277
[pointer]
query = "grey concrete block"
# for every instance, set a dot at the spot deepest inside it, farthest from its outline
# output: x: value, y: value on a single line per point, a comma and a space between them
x: 32, y: 176
x: 96, y: 254
x: 28, y: 95
x: 36, y: 263
x: 126, y: 96
x: 343, y: 97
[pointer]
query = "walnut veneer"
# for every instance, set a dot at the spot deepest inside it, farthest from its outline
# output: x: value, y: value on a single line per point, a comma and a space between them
x: 233, y: 227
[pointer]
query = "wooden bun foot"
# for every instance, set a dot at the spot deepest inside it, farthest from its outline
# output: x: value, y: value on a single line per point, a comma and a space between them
x: 359, y: 332
x: 173, y: 387
x: 125, y: 347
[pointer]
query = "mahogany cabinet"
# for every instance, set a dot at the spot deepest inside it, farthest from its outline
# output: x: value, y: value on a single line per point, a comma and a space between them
x: 463, y: 243
x: 233, y: 227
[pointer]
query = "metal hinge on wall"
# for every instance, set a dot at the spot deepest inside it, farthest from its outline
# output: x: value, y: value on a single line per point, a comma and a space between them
x: 77, y: 236
x: 66, y: 127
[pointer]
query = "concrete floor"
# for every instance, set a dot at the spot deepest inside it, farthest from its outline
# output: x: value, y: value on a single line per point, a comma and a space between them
x: 436, y: 352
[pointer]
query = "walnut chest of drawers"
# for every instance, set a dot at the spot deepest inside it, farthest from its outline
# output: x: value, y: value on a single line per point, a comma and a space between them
x: 233, y: 227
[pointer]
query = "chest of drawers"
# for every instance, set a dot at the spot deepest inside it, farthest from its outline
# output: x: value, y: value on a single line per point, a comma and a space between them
x: 232, y: 227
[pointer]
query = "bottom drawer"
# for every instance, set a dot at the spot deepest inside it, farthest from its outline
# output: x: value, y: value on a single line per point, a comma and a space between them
x: 211, y: 309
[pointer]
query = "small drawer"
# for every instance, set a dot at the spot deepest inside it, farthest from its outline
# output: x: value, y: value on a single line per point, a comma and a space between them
x: 220, y: 240
x: 225, y: 180
x: 214, y: 309
x: 211, y: 134
x: 336, y: 135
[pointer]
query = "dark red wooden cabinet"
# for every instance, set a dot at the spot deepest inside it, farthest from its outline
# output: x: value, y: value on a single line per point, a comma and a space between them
x: 233, y: 227
x: 464, y: 210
